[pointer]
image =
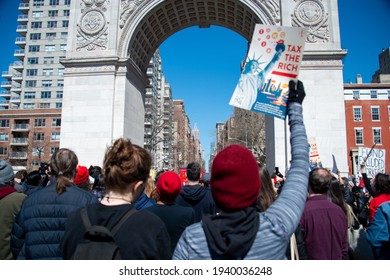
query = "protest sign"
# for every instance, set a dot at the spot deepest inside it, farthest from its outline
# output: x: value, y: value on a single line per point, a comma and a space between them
x: 274, y: 58
x: 314, y: 156
x: 375, y: 161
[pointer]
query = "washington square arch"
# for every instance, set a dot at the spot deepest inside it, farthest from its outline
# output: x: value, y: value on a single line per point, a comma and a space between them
x: 111, y: 42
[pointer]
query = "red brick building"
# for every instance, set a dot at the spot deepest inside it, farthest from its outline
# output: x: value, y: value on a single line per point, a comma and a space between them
x: 29, y: 137
x: 367, y: 109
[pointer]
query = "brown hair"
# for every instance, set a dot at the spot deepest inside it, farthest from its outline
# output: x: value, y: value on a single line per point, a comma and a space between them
x: 267, y: 193
x: 124, y: 164
x: 63, y: 166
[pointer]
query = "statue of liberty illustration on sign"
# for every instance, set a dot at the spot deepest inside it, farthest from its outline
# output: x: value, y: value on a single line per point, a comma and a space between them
x: 273, y: 60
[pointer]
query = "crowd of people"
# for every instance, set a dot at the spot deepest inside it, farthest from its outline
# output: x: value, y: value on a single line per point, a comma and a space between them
x: 237, y: 211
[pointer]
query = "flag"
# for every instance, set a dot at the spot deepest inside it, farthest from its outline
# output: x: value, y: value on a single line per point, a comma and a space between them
x: 334, y: 168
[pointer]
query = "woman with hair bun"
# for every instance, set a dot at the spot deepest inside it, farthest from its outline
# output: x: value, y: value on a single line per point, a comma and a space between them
x: 39, y: 228
x: 143, y: 235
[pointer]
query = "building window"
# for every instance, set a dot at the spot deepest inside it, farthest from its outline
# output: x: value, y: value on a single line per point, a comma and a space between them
x: 51, y: 24
x: 61, y: 72
x: 40, y: 122
x: 29, y: 95
x: 31, y: 83
x: 35, y: 36
x: 50, y: 35
x: 37, y: 14
x: 46, y: 83
x: 56, y: 123
x: 54, y: 2
x: 38, y: 3
x: 53, y: 13
x: 4, y: 123
x: 48, y: 60
x: 66, y: 13
x: 47, y: 72
x: 38, y: 151
x: 53, y: 150
x: 58, y: 105
x: 63, y: 47
x: 388, y: 94
x: 46, y: 94
x: 60, y: 94
x: 39, y: 136
x: 356, y: 94
x: 388, y: 111
x: 375, y: 113
x: 33, y: 48
x: 31, y: 72
x: 65, y: 23
x: 64, y: 35
x: 44, y: 105
x: 36, y: 24
x: 28, y: 106
x: 374, y: 94
x: 377, y: 135
x: 359, y: 136
x: 50, y: 48
x: 3, y: 137
x: 66, y: 2
x: 32, y: 60
x: 60, y: 83
x: 55, y: 136
x: 3, y: 151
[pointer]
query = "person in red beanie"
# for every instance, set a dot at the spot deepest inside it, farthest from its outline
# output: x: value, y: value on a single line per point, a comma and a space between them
x: 239, y: 231
x: 175, y: 217
x: 82, y: 178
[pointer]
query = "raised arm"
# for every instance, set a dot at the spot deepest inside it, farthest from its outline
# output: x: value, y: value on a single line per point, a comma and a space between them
x: 291, y: 201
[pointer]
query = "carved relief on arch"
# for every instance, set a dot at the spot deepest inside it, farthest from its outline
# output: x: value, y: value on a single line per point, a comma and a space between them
x: 127, y: 9
x: 271, y: 7
x: 312, y: 15
x: 92, y: 29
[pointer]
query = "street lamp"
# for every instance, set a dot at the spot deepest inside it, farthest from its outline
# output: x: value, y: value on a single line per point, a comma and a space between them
x: 236, y: 139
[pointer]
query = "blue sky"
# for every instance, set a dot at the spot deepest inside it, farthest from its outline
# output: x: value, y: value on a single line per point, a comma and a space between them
x: 203, y: 65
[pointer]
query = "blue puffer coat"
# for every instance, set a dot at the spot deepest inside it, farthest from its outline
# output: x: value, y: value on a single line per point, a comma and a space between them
x: 40, y: 225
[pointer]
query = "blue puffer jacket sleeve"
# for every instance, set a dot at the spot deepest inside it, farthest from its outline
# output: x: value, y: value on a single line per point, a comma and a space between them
x: 378, y: 233
x: 40, y: 225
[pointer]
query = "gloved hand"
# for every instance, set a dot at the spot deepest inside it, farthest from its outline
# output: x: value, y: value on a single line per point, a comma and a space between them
x: 296, y: 92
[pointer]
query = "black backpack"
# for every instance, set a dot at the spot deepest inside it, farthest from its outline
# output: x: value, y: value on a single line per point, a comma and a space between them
x: 100, y: 243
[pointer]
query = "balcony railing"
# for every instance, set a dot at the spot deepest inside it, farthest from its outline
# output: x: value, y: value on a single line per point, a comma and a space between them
x: 21, y: 127
x: 19, y: 141
x: 18, y: 155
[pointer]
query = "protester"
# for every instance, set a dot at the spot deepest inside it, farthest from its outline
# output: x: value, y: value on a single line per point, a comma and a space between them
x: 194, y: 195
x: 143, y: 235
x: 175, y: 217
x: 205, y: 181
x: 39, y: 228
x: 99, y: 188
x: 268, y: 194
x: 323, y: 223
x: 378, y: 233
x: 10, y: 204
x: 19, y: 179
x: 239, y: 231
x: 382, y: 194
x: 82, y: 179
x: 33, y: 182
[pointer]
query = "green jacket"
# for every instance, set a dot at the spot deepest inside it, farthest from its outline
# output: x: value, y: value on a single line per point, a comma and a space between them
x: 10, y: 204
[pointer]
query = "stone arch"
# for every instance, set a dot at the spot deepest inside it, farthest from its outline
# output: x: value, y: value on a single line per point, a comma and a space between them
x: 111, y: 43
x: 147, y: 25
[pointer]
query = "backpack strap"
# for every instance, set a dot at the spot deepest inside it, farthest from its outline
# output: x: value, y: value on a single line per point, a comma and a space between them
x: 91, y: 229
x: 122, y: 220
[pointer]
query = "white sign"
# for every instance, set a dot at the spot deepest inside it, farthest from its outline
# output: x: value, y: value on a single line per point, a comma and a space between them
x: 375, y: 162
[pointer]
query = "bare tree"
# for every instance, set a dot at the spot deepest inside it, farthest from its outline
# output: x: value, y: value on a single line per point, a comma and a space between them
x: 248, y: 128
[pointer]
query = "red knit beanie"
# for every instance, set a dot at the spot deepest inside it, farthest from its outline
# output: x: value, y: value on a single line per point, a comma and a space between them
x: 82, y: 175
x: 168, y: 186
x: 235, y: 180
